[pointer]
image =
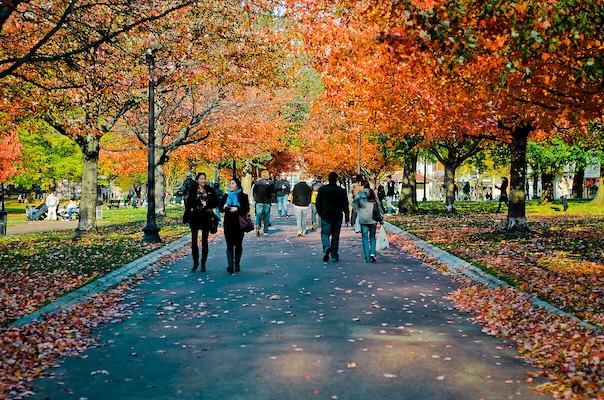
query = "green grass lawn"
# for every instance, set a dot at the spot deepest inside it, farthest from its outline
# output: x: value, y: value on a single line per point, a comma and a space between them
x: 36, y: 268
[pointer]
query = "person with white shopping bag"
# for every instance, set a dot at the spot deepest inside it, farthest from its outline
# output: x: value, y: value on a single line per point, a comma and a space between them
x: 369, y: 217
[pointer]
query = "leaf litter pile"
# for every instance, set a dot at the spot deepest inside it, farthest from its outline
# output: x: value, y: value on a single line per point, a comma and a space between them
x: 557, y: 261
x: 36, y: 269
x: 560, y: 261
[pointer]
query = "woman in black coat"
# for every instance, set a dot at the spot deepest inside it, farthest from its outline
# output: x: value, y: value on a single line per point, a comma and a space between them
x: 234, y: 203
x: 200, y: 205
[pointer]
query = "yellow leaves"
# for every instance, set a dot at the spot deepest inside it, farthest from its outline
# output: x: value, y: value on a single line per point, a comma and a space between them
x: 545, y: 56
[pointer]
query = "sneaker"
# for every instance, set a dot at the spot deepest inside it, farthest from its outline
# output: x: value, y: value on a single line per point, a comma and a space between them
x: 335, y: 258
x: 287, y: 216
x: 299, y: 233
x: 373, y: 257
x: 326, y: 255
x: 265, y: 234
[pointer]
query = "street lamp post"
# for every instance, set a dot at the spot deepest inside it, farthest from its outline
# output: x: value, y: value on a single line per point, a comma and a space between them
x: 425, y: 198
x: 151, y: 231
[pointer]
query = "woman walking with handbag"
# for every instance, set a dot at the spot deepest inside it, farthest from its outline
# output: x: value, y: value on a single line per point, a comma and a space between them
x: 200, y: 204
x: 234, y: 204
x: 369, y: 216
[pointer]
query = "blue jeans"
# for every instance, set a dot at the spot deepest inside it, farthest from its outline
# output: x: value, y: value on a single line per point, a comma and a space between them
x: 314, y: 216
x: 263, y: 210
x: 389, y: 200
x: 368, y: 234
x: 282, y: 205
x: 331, y: 228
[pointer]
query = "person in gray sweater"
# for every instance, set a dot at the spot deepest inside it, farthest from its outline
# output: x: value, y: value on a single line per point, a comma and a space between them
x: 370, y: 217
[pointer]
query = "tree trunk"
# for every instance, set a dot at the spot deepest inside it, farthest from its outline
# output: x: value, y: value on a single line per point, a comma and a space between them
x: 90, y: 145
x: 217, y: 174
x: 547, y: 187
x: 535, y: 186
x: 516, y: 221
x: 449, y: 189
x: 599, y: 199
x: 578, y: 183
x: 160, y: 189
x: 408, y: 199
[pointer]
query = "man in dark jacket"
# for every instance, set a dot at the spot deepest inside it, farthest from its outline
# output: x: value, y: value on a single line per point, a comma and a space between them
x: 301, y: 197
x: 282, y: 187
x: 264, y: 191
x: 332, y: 201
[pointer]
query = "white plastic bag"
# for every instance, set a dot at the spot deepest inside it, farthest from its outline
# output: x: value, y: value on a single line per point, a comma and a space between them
x: 381, y: 240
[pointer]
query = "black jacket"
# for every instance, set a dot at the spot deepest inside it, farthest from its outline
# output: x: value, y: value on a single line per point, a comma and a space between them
x: 332, y: 201
x: 390, y: 186
x: 279, y: 183
x: 264, y: 191
x: 200, y: 216
x: 301, y: 195
x: 231, y: 219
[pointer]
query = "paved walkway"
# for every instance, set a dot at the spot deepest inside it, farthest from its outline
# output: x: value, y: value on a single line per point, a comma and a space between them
x: 291, y: 327
x: 40, y: 226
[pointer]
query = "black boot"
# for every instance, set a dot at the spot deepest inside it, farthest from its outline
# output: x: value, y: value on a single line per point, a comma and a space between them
x: 203, y: 267
x: 230, y: 260
x: 195, y: 265
x: 237, y: 268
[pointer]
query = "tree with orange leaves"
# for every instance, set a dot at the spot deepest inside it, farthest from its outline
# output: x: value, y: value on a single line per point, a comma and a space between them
x: 536, y: 65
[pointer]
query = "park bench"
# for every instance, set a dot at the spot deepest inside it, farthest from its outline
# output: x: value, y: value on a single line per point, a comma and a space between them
x: 35, y: 213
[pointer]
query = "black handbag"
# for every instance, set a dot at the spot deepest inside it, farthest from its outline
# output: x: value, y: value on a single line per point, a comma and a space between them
x: 214, y: 222
x: 245, y: 223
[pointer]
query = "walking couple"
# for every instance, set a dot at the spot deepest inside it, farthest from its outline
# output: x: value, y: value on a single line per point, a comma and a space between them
x: 200, y: 204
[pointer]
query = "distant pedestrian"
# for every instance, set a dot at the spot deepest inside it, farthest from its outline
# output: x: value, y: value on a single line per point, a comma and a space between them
x: 380, y: 192
x: 201, y: 201
x: 314, y: 216
x: 564, y: 187
x: 219, y: 194
x: 503, y: 197
x: 301, y: 197
x: 263, y: 193
x: 282, y: 190
x: 466, y: 191
x: 390, y: 194
x: 370, y: 217
x: 52, y: 202
x: 357, y: 186
x: 234, y: 203
x: 332, y: 202
x: 186, y: 187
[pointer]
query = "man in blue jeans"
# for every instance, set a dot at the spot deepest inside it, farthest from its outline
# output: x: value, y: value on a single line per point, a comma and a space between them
x: 263, y: 192
x: 332, y: 201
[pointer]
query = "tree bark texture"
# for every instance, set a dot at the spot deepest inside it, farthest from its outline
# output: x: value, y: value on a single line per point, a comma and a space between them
x: 90, y: 145
x: 578, y: 183
x: 449, y: 188
x: 408, y: 199
x: 516, y: 221
x: 547, y: 187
